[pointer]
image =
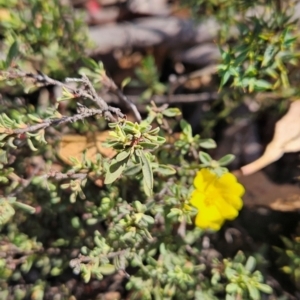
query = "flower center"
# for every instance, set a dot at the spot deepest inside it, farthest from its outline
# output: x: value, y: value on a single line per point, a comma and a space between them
x: 211, y: 194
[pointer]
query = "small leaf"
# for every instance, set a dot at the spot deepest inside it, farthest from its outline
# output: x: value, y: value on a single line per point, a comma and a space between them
x: 147, y: 173
x: 265, y: 288
x: 90, y: 63
x: 92, y: 221
x: 148, y: 219
x: 106, y: 269
x: 115, y: 170
x: 165, y: 170
x: 31, y: 146
x: 148, y: 145
x: 250, y: 264
x: 204, y: 157
x: 174, y: 212
x: 253, y: 292
x: 123, y: 155
x: 207, y: 143
x: 268, y: 55
x: 227, y: 159
x: 262, y: 85
x: 160, y: 140
x: 125, y: 82
x: 34, y: 118
x: 26, y: 207
x: 186, y: 128
x: 231, y: 288
x: 12, y: 53
x: 133, y: 170
x: 172, y: 112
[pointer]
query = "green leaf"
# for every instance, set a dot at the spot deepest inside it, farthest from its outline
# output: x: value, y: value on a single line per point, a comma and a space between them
x: 207, y: 143
x: 31, y: 146
x: 133, y: 170
x: 287, y: 242
x: 268, y: 55
x: 148, y: 145
x: 186, y: 128
x: 66, y: 95
x: 25, y: 207
x: 92, y: 221
x: 148, y: 219
x: 34, y: 118
x: 90, y: 63
x: 160, y: 140
x: 225, y: 160
x: 165, y: 170
x: 262, y: 85
x: 250, y: 264
x: 231, y: 288
x: 225, y: 77
x: 125, y: 82
x: 265, y: 288
x: 115, y: 170
x: 174, y: 212
x: 253, y: 292
x: 107, y: 269
x: 204, y: 157
x: 172, y: 112
x: 123, y: 155
x: 147, y: 173
x: 12, y: 53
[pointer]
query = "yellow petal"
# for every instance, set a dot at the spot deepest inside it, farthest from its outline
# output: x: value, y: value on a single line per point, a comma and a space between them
x: 228, y: 184
x: 198, y: 181
x: 235, y: 201
x: 209, y: 213
x: 207, y: 224
x: 226, y: 210
x: 196, y: 198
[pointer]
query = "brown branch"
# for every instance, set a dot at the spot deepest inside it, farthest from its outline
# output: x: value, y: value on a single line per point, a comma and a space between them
x: 84, y: 112
x: 88, y: 93
x: 113, y: 88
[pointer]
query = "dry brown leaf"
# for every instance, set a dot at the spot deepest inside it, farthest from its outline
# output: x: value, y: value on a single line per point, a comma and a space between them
x: 73, y: 145
x: 286, y: 139
x: 260, y: 191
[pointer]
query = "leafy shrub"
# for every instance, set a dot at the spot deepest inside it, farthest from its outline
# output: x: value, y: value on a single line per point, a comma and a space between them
x: 133, y: 210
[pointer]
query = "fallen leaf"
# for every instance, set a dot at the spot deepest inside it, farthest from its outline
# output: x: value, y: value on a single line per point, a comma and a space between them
x: 286, y: 139
x: 262, y: 192
x: 73, y: 145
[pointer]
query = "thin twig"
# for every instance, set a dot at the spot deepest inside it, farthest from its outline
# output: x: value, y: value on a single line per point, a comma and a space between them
x: 90, y: 93
x: 113, y: 88
x: 84, y: 112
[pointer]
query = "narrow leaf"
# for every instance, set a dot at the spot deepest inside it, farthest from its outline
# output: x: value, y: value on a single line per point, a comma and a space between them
x: 147, y: 174
x: 123, y: 155
x: 24, y: 207
x: 115, y: 170
x: 125, y: 82
x: 208, y: 143
x: 204, y: 157
x: 172, y: 112
x: 165, y: 170
x: 227, y: 159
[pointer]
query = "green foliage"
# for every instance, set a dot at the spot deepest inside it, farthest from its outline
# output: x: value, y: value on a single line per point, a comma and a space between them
x: 138, y: 217
x: 289, y: 258
x: 261, y: 58
x: 242, y: 279
x: 148, y: 75
x: 41, y: 34
x: 133, y: 142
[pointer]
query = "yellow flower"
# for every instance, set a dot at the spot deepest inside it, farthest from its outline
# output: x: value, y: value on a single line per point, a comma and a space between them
x: 217, y: 199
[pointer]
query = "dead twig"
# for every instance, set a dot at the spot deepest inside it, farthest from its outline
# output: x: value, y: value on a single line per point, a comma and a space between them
x: 88, y: 92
